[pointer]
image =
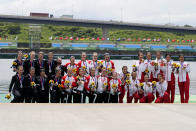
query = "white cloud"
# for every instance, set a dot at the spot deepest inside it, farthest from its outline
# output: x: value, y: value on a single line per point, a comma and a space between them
x: 143, y: 11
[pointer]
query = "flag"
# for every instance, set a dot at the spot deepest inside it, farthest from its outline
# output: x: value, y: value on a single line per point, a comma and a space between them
x: 81, y: 38
x: 98, y: 38
x: 148, y: 40
x: 66, y: 38
x: 60, y: 38
x: 70, y: 38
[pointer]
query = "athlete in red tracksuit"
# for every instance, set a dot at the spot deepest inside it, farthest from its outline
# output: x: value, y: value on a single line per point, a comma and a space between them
x: 71, y: 65
x: 132, y: 89
x: 160, y: 62
x: 124, y: 75
x: 140, y: 67
x: 95, y: 64
x: 146, y: 91
x: 183, y: 79
x: 92, y: 86
x: 161, y: 89
x: 149, y: 69
x: 107, y: 63
x: 80, y: 87
x: 102, y: 86
x: 66, y: 91
x: 114, y: 89
x: 83, y: 63
x: 169, y: 70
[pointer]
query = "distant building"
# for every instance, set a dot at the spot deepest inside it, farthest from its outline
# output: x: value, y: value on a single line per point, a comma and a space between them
x: 67, y: 16
x: 39, y: 14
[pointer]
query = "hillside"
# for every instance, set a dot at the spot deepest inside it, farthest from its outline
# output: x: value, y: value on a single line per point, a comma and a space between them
x: 9, y: 31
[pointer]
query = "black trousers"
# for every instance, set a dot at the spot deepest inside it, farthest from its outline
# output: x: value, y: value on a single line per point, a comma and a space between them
x: 18, y: 96
x: 66, y: 97
x: 92, y: 97
x: 77, y: 97
x: 55, y: 96
x: 102, y: 98
x: 113, y: 98
x: 31, y: 95
x: 43, y: 96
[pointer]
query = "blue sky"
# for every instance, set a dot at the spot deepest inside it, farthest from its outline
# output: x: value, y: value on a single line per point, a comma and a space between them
x: 177, y: 12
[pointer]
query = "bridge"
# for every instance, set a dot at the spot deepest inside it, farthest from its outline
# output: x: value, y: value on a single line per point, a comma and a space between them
x: 105, y: 25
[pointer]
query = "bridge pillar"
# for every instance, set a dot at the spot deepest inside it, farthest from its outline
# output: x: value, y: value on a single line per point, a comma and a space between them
x: 105, y: 32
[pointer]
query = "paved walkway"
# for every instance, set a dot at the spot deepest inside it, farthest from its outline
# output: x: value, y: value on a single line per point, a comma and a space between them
x: 97, y: 117
x: 192, y: 99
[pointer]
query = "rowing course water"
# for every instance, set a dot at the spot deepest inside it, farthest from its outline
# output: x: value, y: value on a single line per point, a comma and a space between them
x: 7, y: 73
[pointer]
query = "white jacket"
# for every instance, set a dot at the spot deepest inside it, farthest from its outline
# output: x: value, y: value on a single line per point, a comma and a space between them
x: 182, y: 72
x: 131, y: 87
x: 117, y: 82
x: 161, y: 88
x: 140, y: 68
x: 147, y: 89
x: 93, y: 64
x: 167, y: 69
x: 101, y: 80
x: 149, y: 66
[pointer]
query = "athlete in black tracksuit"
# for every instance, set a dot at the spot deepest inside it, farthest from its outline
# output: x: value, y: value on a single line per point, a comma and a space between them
x: 31, y: 92
x: 16, y: 86
x: 54, y: 90
x: 43, y: 87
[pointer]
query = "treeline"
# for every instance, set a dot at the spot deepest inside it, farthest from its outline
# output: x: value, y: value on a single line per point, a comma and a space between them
x: 12, y: 31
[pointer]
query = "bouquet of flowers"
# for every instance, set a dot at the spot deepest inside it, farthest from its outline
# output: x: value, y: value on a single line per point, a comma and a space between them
x: 128, y: 75
x: 154, y: 83
x: 74, y: 70
x: 141, y: 85
x: 105, y: 84
x: 84, y: 67
x: 60, y: 86
x: 14, y: 63
x: 8, y: 96
x: 51, y: 82
x: 66, y: 83
x: 128, y: 82
x: 146, y: 71
x: 33, y: 84
x: 92, y: 85
x: 109, y: 70
x: 25, y: 56
x: 100, y: 63
x: 114, y: 86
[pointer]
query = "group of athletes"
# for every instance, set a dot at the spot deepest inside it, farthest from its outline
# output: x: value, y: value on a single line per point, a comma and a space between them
x: 96, y: 81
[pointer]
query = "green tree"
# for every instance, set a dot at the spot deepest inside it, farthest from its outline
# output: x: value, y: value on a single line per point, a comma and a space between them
x: 14, y: 29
